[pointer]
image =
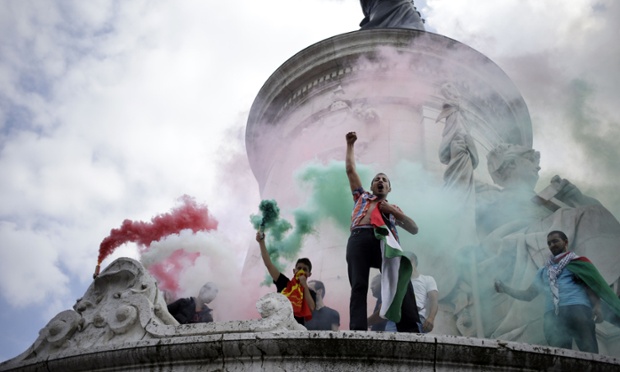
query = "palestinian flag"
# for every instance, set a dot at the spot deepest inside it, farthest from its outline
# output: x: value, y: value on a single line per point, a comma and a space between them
x: 588, y: 273
x: 396, y: 269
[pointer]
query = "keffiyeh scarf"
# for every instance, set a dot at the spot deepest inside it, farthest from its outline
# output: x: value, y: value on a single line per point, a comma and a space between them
x: 554, y: 268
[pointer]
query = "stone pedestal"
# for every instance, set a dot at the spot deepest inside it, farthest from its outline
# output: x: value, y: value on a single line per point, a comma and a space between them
x: 317, y: 351
x: 121, y: 324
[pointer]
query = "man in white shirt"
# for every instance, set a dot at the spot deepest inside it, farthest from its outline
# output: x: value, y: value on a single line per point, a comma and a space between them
x: 426, y: 297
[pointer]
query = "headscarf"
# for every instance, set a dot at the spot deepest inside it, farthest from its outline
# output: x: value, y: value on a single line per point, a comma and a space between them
x: 294, y: 291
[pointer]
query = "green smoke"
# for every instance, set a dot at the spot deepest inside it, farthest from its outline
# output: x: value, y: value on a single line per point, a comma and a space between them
x: 281, y: 242
x: 288, y: 247
x: 328, y: 197
x: 270, y: 220
x: 329, y: 193
x: 269, y: 213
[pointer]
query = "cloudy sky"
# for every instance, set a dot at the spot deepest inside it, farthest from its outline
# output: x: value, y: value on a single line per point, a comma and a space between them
x: 113, y: 110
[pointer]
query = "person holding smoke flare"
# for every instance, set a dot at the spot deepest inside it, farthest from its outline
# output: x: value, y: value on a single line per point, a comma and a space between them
x: 573, y: 288
x: 374, y: 243
x: 302, y: 298
x: 195, y: 309
x: 324, y: 318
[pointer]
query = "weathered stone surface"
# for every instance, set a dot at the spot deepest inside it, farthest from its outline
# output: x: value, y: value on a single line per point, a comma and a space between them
x: 320, y: 350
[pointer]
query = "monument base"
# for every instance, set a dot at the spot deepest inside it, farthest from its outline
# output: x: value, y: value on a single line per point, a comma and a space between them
x: 320, y: 351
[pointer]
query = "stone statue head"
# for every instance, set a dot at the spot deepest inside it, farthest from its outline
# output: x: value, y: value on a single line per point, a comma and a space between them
x: 450, y: 92
x: 510, y: 164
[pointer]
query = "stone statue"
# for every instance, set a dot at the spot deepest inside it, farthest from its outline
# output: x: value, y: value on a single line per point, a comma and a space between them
x: 390, y: 14
x: 515, y: 222
x: 511, y: 224
x: 123, y: 307
x: 458, y: 151
x: 117, y: 307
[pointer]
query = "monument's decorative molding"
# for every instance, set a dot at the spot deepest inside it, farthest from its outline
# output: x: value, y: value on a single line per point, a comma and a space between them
x: 123, y: 306
x: 416, y: 63
x: 320, y: 351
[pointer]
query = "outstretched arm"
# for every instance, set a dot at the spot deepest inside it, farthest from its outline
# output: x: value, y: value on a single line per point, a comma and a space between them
x: 402, y: 219
x: 433, y: 306
x: 570, y: 194
x: 273, y: 270
x: 522, y: 295
x: 354, y: 178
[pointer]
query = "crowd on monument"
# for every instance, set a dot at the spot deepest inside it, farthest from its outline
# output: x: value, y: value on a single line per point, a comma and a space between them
x: 408, y: 301
x: 509, y: 217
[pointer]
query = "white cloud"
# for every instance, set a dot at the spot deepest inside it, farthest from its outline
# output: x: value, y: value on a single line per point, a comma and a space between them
x: 29, y: 270
x: 113, y: 110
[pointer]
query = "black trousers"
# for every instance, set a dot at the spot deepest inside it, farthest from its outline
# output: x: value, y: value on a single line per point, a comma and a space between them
x: 573, y: 322
x: 364, y: 252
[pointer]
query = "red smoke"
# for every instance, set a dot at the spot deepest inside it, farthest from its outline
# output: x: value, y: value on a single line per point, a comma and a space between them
x: 188, y: 216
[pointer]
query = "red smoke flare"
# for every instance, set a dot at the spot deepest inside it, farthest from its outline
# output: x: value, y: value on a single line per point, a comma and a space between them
x: 188, y: 216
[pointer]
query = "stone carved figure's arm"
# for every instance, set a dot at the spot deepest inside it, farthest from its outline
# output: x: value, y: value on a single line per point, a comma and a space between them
x: 569, y: 194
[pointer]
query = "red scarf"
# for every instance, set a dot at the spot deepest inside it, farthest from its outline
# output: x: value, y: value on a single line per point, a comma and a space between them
x: 295, y: 293
x: 376, y: 218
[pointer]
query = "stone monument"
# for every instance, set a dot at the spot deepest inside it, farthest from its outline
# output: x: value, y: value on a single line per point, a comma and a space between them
x: 413, y: 97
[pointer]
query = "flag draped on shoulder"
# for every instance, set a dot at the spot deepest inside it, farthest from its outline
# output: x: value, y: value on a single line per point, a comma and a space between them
x: 396, y: 269
x: 295, y: 294
x: 586, y: 271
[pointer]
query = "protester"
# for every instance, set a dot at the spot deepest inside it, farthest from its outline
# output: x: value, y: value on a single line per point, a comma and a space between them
x: 426, y: 298
x: 195, y: 309
x: 296, y: 290
x: 324, y: 318
x: 374, y: 243
x: 573, y: 288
